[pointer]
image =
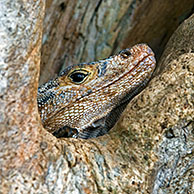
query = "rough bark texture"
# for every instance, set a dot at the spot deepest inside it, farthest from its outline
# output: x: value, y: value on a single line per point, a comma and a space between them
x: 150, y: 150
x: 161, y: 119
x: 84, y: 31
x: 20, y: 37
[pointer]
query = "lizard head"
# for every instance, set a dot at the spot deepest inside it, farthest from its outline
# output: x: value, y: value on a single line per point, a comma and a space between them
x: 89, y: 97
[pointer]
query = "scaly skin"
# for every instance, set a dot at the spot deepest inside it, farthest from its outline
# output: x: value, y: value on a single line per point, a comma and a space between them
x: 85, y: 100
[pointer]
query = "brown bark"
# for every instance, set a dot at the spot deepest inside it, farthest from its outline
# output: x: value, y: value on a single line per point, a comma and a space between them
x: 21, y: 29
x: 150, y: 149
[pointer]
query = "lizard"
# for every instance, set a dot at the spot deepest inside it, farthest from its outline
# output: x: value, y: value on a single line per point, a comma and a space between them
x: 87, y: 99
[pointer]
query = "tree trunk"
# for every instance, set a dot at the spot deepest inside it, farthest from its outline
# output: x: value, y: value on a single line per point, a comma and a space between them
x: 20, y: 136
x: 85, y: 31
x: 150, y: 150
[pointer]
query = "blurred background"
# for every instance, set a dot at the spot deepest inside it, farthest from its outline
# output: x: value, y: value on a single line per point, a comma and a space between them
x: 84, y: 31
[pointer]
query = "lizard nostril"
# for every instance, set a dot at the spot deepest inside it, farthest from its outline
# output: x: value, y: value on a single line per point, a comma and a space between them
x: 125, y: 53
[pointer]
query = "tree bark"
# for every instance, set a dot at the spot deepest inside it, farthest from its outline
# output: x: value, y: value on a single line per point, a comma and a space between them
x: 150, y: 150
x: 20, y: 136
x: 85, y: 31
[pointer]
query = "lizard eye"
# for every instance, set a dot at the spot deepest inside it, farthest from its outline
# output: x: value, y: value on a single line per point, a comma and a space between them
x: 78, y: 76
